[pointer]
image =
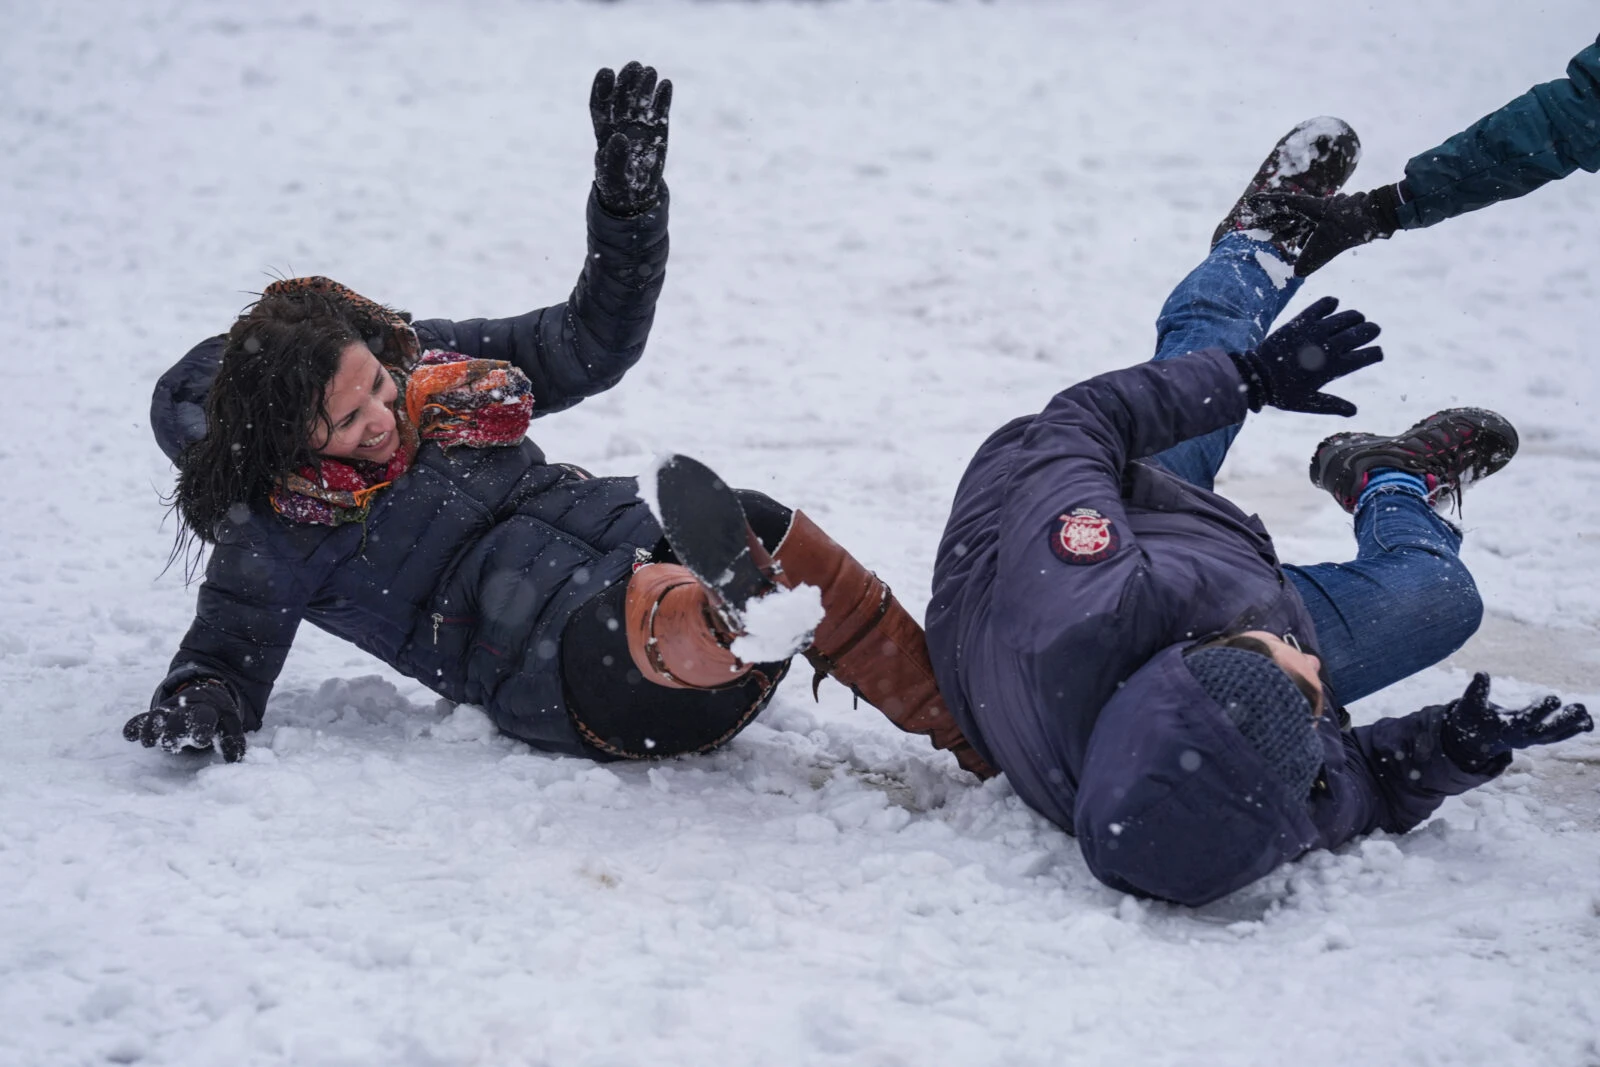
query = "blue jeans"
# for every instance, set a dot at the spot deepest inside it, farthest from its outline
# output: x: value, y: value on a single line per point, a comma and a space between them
x: 1406, y: 601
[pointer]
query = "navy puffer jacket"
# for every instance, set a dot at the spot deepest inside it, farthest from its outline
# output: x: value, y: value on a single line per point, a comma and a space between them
x: 470, y: 565
x: 1062, y: 658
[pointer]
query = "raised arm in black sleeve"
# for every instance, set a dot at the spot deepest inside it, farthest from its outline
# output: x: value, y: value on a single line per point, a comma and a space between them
x: 584, y: 346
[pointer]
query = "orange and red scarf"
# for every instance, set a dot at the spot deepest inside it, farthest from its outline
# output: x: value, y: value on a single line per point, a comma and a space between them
x: 446, y: 397
x: 443, y: 396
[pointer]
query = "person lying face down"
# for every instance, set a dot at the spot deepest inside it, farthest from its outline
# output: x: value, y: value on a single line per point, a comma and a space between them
x: 1125, y: 645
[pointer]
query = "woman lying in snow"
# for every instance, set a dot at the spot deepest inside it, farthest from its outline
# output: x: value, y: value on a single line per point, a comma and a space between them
x: 371, y: 475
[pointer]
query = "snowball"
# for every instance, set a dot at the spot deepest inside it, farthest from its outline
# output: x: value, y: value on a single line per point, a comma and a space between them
x: 779, y: 624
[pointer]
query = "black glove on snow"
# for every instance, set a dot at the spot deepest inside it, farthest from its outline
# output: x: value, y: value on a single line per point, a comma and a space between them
x: 194, y: 717
x: 1475, y: 730
x: 630, y: 127
x: 1306, y: 353
x: 1340, y: 222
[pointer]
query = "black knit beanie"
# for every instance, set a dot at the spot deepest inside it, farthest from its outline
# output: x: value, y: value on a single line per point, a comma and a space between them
x: 1266, y: 707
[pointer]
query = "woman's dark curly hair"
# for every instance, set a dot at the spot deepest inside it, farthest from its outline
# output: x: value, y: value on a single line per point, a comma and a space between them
x: 265, y: 404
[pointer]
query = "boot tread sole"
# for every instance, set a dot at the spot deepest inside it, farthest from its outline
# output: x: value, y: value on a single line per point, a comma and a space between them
x: 705, y: 525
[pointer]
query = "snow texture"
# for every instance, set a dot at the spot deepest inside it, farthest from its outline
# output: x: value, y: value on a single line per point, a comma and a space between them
x: 1277, y: 270
x: 896, y: 225
x: 779, y: 624
x: 1299, y: 150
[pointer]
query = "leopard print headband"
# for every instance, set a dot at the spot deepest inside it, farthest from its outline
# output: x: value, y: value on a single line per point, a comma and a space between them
x: 390, y: 327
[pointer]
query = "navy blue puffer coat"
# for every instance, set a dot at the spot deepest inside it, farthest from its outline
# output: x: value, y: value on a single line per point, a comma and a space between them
x: 470, y: 565
x: 1062, y: 660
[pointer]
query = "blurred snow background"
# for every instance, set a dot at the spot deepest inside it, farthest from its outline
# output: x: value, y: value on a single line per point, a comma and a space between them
x: 895, y: 226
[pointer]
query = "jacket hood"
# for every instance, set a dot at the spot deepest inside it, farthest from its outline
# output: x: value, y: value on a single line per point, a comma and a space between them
x: 178, y: 405
x: 1173, y: 802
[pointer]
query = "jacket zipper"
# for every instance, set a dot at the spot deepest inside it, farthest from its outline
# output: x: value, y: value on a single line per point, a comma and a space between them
x: 441, y: 619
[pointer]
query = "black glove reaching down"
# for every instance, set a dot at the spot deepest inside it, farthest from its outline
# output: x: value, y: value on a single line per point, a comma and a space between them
x: 630, y: 128
x: 1475, y: 730
x: 1339, y: 223
x: 1309, y: 351
x: 196, y: 717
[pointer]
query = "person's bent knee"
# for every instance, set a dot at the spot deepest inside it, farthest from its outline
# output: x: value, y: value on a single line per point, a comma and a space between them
x: 1450, y: 606
x: 1463, y: 608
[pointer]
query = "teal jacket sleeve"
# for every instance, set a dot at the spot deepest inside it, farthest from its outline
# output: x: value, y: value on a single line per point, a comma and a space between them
x: 1546, y: 133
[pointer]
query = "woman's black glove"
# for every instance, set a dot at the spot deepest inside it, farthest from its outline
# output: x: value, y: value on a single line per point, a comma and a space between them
x: 1341, y: 222
x: 630, y: 128
x: 1300, y: 357
x: 1475, y: 731
x: 198, y: 715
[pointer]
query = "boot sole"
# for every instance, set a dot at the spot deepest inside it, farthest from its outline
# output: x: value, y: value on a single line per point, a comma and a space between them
x: 704, y: 524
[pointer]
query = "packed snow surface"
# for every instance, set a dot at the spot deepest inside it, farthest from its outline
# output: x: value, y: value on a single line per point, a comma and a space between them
x: 895, y: 226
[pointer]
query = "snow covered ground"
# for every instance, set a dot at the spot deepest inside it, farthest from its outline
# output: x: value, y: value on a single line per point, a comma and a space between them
x: 895, y: 225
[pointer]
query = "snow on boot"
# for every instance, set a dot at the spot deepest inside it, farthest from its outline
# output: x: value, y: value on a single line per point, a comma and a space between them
x: 1447, y: 450
x: 682, y: 618
x: 868, y: 641
x: 1315, y: 158
x: 865, y: 638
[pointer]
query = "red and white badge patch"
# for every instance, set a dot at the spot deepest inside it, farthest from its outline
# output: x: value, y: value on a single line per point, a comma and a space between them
x: 1085, y: 536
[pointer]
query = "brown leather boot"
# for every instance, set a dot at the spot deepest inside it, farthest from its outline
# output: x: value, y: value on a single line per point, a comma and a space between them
x: 680, y: 627
x: 675, y: 636
x: 868, y: 641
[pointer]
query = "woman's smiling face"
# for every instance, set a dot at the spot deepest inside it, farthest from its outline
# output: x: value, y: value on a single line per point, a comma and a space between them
x: 358, y: 410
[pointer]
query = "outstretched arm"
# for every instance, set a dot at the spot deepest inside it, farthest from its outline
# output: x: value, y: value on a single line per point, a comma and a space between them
x: 1395, y: 775
x: 1398, y: 771
x: 1546, y: 133
x: 584, y: 346
x: 1077, y: 448
x: 248, y: 610
x: 1079, y: 445
x: 1063, y: 491
x: 1059, y: 498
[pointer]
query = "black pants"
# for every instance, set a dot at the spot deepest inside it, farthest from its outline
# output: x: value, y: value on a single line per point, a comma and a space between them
x: 622, y: 715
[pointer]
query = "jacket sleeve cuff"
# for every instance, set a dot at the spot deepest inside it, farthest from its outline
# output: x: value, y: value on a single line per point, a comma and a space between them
x: 1406, y: 214
x: 631, y: 232
x: 1229, y: 400
x: 184, y: 674
x: 1445, y: 775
